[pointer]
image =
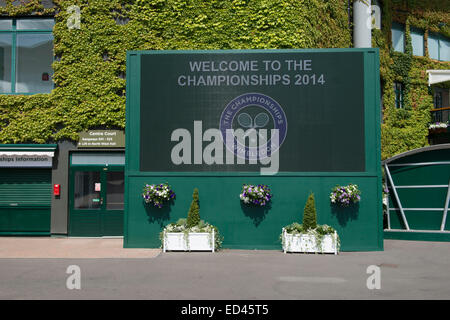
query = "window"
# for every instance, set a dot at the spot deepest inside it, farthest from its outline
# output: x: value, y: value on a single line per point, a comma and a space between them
x: 417, y: 42
x: 439, y: 47
x: 26, y: 55
x: 398, y: 37
x: 437, y: 100
x: 444, y: 49
x: 398, y: 89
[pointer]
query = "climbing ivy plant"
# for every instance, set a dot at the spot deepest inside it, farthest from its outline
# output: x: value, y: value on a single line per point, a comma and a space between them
x: 89, y: 65
x: 407, y: 128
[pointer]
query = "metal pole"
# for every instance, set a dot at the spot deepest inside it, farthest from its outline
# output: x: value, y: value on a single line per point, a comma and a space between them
x: 335, y: 242
x: 387, y: 209
x: 444, y: 217
x: 164, y: 241
x: 396, y: 196
x: 213, y: 241
x: 362, y: 24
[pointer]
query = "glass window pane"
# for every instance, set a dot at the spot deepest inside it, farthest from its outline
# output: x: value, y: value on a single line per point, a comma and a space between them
x: 98, y: 158
x: 417, y: 42
x: 85, y: 196
x: 35, y: 24
x: 398, y: 89
x: 398, y: 38
x: 438, y: 100
x: 444, y: 49
x: 5, y: 63
x: 115, y: 186
x: 5, y: 24
x: 34, y: 57
x: 433, y: 46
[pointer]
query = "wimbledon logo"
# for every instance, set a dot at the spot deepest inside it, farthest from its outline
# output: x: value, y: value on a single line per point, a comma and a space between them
x: 255, y: 113
x: 245, y: 124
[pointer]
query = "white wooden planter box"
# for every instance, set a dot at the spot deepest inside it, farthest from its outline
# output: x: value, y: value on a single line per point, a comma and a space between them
x: 307, y: 243
x: 196, y: 241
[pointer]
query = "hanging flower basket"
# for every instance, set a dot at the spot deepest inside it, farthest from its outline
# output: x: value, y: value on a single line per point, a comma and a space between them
x: 345, y: 195
x: 258, y: 195
x: 158, y: 194
x: 438, y: 127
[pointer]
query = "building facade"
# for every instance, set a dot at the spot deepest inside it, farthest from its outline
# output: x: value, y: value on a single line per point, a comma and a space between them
x: 62, y: 87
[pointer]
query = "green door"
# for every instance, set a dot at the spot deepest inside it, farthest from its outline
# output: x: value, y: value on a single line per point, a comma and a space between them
x: 25, y: 199
x: 96, y: 201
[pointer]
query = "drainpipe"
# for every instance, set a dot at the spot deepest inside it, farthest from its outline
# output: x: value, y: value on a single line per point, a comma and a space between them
x: 362, y: 18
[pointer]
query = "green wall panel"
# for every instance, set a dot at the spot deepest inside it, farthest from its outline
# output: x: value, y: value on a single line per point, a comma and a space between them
x: 417, y: 220
x: 112, y: 223
x: 428, y: 156
x: 84, y: 225
x: 29, y: 220
x: 423, y: 175
x: 417, y: 236
x: 420, y: 198
x: 359, y: 227
x: 250, y: 228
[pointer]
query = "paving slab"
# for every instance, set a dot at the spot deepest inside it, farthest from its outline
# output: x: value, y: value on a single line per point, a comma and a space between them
x: 70, y: 248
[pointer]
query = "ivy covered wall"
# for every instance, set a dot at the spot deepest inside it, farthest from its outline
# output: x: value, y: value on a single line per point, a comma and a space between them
x: 89, y: 66
x: 407, y: 128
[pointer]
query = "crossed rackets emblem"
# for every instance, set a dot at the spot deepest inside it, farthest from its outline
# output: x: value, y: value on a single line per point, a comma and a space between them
x: 245, y: 120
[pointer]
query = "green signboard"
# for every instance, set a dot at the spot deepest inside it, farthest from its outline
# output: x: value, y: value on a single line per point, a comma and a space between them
x: 299, y: 121
x: 314, y: 99
x: 101, y: 139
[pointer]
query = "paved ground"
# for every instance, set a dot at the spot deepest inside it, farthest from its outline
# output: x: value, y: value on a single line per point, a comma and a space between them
x: 70, y: 248
x: 409, y: 270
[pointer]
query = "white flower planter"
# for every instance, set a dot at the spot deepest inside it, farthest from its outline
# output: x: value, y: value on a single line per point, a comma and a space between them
x: 192, y: 241
x: 307, y: 243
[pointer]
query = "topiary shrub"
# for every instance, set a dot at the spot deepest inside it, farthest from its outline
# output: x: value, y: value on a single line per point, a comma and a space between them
x: 309, y: 213
x: 193, y: 217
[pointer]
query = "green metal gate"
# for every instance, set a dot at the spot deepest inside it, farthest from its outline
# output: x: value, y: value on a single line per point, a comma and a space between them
x: 419, y: 193
x: 25, y: 200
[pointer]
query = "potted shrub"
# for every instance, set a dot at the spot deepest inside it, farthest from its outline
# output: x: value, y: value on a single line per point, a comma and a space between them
x: 309, y: 236
x: 191, y: 234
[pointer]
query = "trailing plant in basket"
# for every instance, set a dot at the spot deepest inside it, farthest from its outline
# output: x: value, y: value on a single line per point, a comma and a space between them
x: 345, y: 195
x: 158, y: 194
x: 193, y: 224
x: 258, y: 195
x: 202, y: 226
